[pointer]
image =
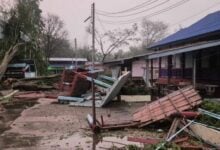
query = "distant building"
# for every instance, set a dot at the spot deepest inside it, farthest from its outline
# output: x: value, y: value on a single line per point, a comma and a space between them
x: 137, y: 65
x: 56, y: 65
x: 97, y: 65
x: 25, y: 68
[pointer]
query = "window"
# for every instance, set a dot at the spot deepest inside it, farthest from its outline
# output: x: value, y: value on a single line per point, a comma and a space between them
x: 176, y: 59
x: 32, y: 68
x: 164, y: 62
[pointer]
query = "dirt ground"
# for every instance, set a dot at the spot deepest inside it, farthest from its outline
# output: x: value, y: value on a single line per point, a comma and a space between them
x: 48, y: 125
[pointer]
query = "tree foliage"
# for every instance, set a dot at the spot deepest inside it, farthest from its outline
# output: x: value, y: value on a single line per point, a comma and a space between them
x: 22, y: 29
x: 152, y: 31
x: 113, y: 40
x: 54, y: 38
x: 111, y: 43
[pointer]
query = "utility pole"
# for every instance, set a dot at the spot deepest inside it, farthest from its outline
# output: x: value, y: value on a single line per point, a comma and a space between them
x: 76, y: 63
x: 93, y: 52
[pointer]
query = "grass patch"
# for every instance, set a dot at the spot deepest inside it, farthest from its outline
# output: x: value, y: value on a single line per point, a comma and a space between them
x: 212, y: 107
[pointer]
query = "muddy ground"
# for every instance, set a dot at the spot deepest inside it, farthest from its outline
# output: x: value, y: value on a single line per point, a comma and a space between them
x: 44, y: 124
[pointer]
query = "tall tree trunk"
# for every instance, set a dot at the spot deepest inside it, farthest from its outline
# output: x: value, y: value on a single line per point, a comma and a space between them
x: 9, y: 55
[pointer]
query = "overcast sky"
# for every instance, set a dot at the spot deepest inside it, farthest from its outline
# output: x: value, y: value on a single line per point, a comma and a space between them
x: 74, y: 12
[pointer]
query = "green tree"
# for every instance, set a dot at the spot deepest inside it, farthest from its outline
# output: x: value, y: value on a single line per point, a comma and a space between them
x: 22, y: 30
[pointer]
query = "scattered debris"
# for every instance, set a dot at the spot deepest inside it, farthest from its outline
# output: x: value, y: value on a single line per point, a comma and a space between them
x: 173, y: 127
x: 209, y: 135
x: 8, y: 96
x: 144, y: 140
x: 37, y: 83
x: 213, y: 107
x: 73, y: 83
x: 174, y: 135
x: 178, y: 101
x: 136, y: 98
x: 33, y: 95
x: 216, y: 116
x: 111, y: 93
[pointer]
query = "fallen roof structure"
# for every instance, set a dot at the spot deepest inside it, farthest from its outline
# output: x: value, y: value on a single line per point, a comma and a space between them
x: 78, y: 83
x: 178, y: 101
x: 112, y: 92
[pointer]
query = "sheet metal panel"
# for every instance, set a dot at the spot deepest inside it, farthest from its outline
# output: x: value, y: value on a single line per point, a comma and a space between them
x: 208, y: 24
x: 184, y: 49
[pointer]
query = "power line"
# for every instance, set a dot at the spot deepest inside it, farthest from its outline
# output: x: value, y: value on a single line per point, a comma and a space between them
x: 101, y: 24
x: 148, y: 16
x: 194, y: 15
x: 136, y: 13
x: 149, y: 2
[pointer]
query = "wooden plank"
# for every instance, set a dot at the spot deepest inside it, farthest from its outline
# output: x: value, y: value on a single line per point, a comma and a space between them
x: 170, y: 110
x: 207, y: 134
x: 173, y: 127
x: 151, y: 116
x: 186, y: 97
x: 175, y: 95
x: 171, y: 102
x: 162, y: 108
x: 177, y: 101
x: 144, y: 140
x: 165, y: 104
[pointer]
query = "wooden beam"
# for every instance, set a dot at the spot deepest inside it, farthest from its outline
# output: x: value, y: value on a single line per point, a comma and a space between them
x: 169, y: 68
x: 152, y: 71
x: 160, y: 67
x: 183, y: 61
x: 194, y: 72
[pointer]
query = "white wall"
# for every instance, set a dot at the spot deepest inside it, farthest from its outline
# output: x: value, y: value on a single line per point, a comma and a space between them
x: 138, y: 68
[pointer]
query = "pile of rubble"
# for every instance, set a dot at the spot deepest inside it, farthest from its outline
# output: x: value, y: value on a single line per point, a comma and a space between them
x: 180, y: 107
x: 77, y: 84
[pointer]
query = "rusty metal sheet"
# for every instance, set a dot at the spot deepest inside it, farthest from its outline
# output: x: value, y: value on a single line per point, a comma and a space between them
x: 111, y: 94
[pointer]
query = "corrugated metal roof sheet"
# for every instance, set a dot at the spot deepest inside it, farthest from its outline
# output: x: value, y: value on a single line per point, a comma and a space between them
x: 68, y: 59
x: 208, y: 24
x: 184, y: 49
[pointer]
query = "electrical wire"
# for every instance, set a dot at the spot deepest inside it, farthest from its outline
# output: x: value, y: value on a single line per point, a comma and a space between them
x: 136, y: 13
x: 194, y: 15
x: 149, y: 2
x: 147, y: 16
x: 101, y: 24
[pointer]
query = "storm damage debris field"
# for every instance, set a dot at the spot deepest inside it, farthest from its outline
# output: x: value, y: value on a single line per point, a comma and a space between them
x: 48, y: 125
x: 178, y: 101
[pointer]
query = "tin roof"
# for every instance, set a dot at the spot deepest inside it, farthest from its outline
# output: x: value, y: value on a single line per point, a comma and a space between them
x: 207, y: 25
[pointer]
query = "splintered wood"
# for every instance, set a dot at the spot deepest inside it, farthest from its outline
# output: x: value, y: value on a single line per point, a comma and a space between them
x: 178, y: 101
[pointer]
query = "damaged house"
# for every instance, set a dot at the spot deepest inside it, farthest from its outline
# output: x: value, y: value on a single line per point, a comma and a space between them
x: 137, y: 65
x: 190, y: 56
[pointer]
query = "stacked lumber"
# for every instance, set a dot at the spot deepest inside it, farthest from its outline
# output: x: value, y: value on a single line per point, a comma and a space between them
x: 178, y: 101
